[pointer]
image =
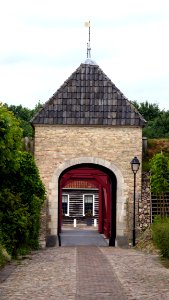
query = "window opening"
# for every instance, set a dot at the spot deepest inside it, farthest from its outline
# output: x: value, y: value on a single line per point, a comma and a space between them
x: 88, y: 205
x: 65, y: 204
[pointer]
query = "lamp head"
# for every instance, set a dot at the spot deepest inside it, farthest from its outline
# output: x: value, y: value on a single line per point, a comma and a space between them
x: 135, y: 164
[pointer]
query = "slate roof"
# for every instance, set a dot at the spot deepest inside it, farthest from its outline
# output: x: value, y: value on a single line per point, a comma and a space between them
x: 88, y: 97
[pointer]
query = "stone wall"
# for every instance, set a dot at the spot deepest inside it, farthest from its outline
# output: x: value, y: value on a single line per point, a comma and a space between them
x: 58, y: 147
x: 144, y: 217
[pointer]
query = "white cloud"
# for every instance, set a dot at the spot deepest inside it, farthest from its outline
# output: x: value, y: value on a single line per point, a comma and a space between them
x: 43, y: 42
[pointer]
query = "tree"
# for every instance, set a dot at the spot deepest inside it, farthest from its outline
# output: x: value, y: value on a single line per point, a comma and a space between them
x: 37, y: 108
x: 10, y: 140
x: 24, y: 115
x: 21, y: 189
x: 157, y: 120
x: 161, y: 124
x: 148, y: 110
x: 159, y: 127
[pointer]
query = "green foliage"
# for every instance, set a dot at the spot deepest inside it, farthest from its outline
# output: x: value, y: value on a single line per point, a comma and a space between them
x: 20, y: 112
x: 27, y: 182
x: 14, y: 219
x: 10, y: 140
x: 159, y: 127
x: 146, y: 165
x: 148, y: 110
x: 21, y: 205
x: 24, y: 115
x: 160, y: 235
x: 159, y: 165
x: 21, y: 190
x: 37, y: 108
x: 157, y: 120
x: 27, y: 128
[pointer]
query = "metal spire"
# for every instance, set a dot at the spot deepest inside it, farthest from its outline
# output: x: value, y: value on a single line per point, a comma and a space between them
x: 87, y: 24
x: 89, y: 61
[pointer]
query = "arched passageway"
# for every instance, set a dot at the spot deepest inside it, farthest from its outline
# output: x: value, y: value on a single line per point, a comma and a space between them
x: 95, y: 189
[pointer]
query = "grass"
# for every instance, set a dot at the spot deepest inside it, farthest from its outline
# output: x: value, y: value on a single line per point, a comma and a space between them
x: 146, y: 245
x: 145, y: 242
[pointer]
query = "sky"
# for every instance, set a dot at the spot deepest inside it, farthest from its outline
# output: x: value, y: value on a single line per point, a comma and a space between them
x: 43, y: 42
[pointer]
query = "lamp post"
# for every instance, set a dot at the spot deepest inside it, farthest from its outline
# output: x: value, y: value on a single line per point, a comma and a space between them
x: 135, y: 164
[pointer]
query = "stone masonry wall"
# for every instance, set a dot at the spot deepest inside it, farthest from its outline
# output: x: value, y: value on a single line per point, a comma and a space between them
x: 56, y: 144
x: 145, y: 203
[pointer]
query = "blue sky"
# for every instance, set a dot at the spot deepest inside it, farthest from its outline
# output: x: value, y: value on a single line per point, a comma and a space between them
x: 43, y: 42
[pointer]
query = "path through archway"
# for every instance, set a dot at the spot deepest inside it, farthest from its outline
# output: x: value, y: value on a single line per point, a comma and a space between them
x: 89, y: 189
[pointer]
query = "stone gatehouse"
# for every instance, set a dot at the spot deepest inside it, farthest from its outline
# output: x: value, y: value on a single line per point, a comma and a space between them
x: 89, y: 131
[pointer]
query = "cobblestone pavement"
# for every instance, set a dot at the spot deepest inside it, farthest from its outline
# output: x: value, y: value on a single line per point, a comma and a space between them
x: 95, y: 277
x: 141, y: 275
x: 87, y: 273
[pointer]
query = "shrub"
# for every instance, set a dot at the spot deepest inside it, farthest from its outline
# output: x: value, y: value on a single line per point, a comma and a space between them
x: 10, y: 141
x: 14, y: 220
x: 21, y: 189
x: 160, y: 235
x: 27, y: 182
x: 20, y: 206
x: 160, y: 180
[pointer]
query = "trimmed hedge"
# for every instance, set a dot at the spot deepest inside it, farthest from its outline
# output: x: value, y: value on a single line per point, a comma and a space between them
x: 160, y: 235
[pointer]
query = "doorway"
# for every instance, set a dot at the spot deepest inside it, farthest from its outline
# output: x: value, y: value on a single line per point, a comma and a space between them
x: 88, y: 190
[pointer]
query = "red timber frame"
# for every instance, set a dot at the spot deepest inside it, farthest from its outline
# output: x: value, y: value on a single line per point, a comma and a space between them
x: 100, y: 180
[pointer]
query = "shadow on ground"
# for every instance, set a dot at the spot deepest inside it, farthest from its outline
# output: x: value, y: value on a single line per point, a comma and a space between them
x: 82, y: 237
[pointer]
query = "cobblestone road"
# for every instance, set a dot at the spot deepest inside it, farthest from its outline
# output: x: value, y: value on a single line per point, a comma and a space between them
x: 87, y: 273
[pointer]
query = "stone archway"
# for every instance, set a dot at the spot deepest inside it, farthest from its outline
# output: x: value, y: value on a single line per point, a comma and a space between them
x: 102, y: 205
x: 52, y: 238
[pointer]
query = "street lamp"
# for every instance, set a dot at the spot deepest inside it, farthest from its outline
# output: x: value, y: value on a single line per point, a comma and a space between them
x: 135, y: 164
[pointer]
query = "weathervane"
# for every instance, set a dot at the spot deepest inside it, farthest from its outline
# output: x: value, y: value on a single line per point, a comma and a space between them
x: 87, y: 24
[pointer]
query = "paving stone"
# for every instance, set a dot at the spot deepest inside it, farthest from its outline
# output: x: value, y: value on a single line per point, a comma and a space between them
x: 51, y: 274
x: 87, y: 273
x: 95, y: 276
x: 141, y: 275
x: 78, y: 237
x: 6, y: 271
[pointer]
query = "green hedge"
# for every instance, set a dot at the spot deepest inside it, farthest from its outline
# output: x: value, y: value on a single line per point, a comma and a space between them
x: 21, y: 200
x: 160, y: 234
x: 22, y: 192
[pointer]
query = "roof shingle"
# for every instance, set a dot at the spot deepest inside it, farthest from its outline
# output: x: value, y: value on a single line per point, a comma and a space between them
x: 88, y: 97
